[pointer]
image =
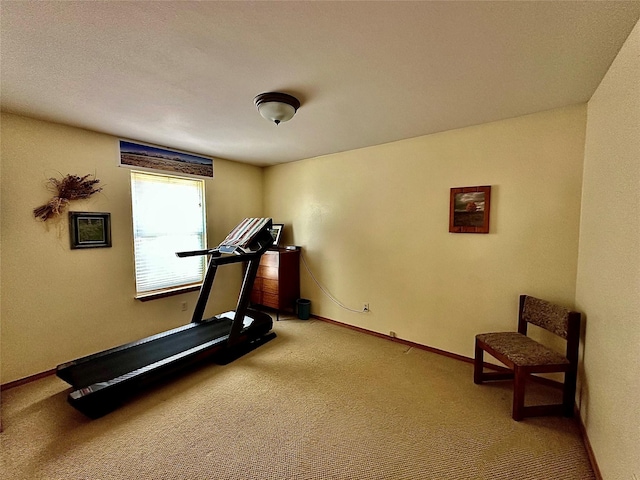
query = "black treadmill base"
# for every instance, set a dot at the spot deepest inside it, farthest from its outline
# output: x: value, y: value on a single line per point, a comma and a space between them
x: 228, y: 355
x: 112, y: 398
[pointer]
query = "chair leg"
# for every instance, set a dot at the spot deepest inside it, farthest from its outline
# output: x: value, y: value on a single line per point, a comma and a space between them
x: 519, y: 382
x: 478, y: 365
x: 569, y: 393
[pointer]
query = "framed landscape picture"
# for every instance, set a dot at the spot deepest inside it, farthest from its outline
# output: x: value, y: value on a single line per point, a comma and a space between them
x: 469, y: 209
x: 149, y: 157
x: 89, y: 229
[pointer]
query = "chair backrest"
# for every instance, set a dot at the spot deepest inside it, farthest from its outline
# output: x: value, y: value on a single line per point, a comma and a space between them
x: 558, y: 320
x: 549, y: 316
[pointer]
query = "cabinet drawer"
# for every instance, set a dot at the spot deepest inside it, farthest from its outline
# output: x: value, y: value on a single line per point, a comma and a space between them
x: 270, y: 286
x: 267, y: 272
x: 270, y: 300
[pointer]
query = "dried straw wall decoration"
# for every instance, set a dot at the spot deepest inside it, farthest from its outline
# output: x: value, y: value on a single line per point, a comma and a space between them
x: 69, y: 188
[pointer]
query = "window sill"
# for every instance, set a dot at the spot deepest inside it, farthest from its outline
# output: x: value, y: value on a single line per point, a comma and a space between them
x: 145, y: 297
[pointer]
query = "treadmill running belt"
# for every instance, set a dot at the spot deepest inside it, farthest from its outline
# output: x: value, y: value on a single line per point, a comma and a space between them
x: 103, y: 368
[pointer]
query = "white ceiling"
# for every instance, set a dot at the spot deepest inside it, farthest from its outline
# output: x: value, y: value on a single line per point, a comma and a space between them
x: 184, y: 74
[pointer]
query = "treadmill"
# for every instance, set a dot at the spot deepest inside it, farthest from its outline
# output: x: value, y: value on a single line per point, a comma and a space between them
x: 103, y: 381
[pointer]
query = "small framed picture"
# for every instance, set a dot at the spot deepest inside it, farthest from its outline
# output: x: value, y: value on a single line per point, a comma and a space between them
x: 276, y: 233
x: 469, y: 209
x: 89, y: 229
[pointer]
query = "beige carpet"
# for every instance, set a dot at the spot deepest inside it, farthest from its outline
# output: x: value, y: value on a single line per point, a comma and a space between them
x: 318, y: 402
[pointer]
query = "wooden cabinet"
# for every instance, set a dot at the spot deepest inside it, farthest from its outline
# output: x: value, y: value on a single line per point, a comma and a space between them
x: 277, y: 283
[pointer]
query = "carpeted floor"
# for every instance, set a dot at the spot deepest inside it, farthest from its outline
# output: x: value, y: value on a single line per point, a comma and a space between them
x: 318, y: 402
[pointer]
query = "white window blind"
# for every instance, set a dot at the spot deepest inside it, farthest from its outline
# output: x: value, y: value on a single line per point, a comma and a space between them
x: 168, y: 217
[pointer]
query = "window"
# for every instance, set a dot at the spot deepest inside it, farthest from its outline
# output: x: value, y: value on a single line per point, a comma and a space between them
x: 168, y: 217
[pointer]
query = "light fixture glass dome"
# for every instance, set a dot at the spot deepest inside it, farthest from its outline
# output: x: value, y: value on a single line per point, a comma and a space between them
x: 277, y: 107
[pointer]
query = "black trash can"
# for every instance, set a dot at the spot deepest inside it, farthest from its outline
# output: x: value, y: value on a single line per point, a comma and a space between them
x: 304, y: 308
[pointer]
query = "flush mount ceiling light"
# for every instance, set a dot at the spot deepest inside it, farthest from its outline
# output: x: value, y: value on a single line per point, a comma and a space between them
x: 277, y: 107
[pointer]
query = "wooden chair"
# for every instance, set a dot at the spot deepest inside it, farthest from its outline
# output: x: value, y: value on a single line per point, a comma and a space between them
x: 525, y: 356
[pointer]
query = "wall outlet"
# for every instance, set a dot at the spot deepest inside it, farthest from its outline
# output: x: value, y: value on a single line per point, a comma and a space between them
x: 392, y: 334
x: 183, y: 306
x: 366, y: 307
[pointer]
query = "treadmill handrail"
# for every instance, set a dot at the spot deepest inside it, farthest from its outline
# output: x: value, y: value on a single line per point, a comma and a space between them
x: 221, y: 258
x: 194, y: 253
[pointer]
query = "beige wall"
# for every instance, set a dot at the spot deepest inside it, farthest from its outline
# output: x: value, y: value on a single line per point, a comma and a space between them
x: 1, y: 190
x: 58, y: 304
x: 373, y: 224
x: 608, y: 284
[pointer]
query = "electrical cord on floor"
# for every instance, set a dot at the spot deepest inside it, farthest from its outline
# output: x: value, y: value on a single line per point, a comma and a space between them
x: 331, y: 297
